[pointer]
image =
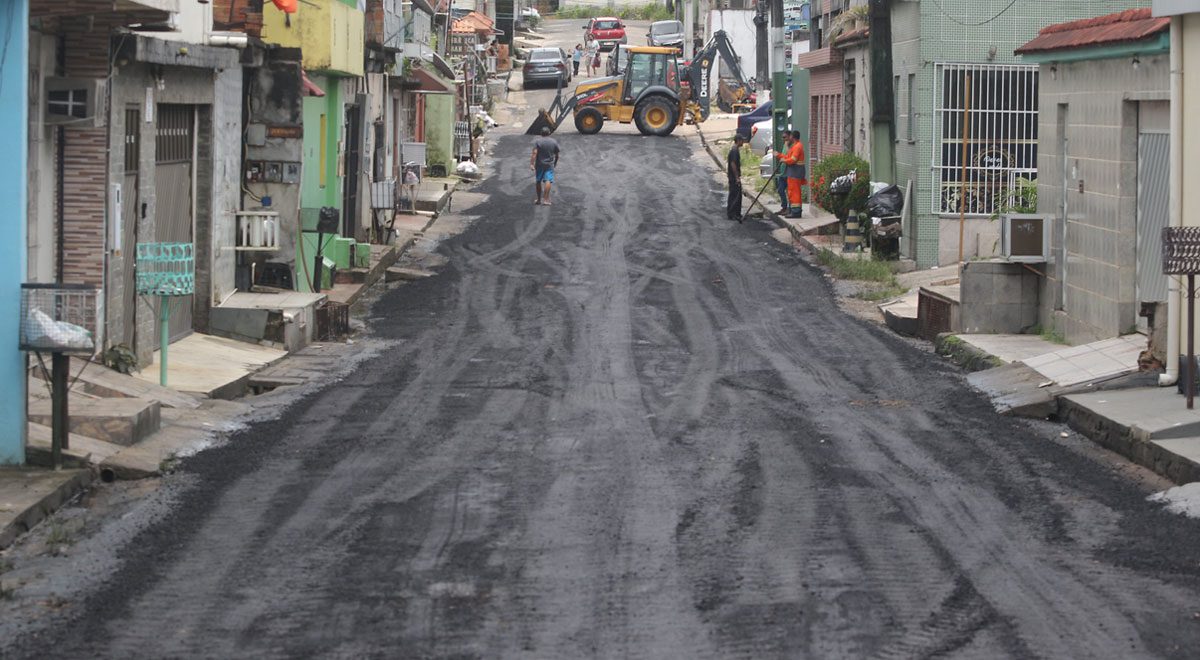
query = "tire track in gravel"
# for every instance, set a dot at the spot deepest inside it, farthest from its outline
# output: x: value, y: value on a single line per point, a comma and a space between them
x: 622, y: 427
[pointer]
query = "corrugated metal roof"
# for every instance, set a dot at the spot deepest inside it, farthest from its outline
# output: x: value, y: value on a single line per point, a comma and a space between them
x: 1121, y: 27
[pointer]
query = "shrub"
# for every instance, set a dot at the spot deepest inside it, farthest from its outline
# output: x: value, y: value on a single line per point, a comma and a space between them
x: 1020, y: 198
x: 832, y: 167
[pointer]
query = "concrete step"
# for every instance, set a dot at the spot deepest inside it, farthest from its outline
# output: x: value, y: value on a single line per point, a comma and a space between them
x: 82, y: 451
x: 901, y: 315
x: 351, y: 276
x: 123, y: 421
x: 100, y: 381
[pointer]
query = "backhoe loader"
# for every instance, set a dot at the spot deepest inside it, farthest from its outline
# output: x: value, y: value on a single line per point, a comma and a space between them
x: 654, y: 92
x: 648, y: 94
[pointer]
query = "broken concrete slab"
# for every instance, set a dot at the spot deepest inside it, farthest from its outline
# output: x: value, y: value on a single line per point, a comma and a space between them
x: 122, y: 421
x: 397, y: 274
x: 29, y: 495
x: 1018, y: 390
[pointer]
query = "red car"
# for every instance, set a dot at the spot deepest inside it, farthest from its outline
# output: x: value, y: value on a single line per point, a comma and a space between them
x: 607, y: 31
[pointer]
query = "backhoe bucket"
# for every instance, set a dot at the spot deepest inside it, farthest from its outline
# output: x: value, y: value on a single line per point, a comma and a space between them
x: 543, y: 120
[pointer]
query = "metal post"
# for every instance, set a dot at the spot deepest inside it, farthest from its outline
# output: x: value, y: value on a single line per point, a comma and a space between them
x: 1191, y: 332
x: 316, y: 284
x: 164, y: 314
x: 962, y: 190
x: 60, y: 415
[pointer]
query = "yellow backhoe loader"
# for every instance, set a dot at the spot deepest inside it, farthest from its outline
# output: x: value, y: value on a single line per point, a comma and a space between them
x: 648, y: 94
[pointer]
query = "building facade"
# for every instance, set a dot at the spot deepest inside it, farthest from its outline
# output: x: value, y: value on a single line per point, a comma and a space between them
x: 936, y: 49
x: 1103, y: 170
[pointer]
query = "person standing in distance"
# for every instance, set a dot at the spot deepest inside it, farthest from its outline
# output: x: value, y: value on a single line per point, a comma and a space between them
x: 733, y: 170
x: 576, y: 58
x: 542, y: 161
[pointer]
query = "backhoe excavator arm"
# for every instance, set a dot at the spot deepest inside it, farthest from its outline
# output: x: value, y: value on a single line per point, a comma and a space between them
x: 699, y: 70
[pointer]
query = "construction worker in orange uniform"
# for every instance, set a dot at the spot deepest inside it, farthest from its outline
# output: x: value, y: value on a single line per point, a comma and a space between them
x: 797, y: 176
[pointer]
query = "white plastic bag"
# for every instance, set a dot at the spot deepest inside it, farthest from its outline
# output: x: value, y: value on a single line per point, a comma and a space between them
x: 45, y: 332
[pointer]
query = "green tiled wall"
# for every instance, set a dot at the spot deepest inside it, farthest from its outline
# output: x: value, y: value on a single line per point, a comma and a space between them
x: 926, y: 33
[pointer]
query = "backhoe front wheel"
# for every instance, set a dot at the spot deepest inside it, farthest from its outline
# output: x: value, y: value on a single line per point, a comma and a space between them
x: 656, y: 116
x: 589, y: 120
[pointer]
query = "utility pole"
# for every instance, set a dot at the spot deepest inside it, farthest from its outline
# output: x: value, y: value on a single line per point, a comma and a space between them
x: 762, y: 61
x: 779, y: 91
x: 883, y: 125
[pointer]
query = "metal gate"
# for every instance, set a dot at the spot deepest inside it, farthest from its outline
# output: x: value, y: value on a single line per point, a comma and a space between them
x: 1153, y: 169
x: 174, y: 183
x: 129, y: 219
x: 353, y: 167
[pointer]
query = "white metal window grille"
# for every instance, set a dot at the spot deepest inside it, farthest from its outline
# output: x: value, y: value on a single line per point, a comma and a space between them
x: 1001, y: 108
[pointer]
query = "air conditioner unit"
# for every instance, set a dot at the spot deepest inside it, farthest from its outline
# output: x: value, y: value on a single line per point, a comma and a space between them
x: 1025, y: 237
x: 75, y: 101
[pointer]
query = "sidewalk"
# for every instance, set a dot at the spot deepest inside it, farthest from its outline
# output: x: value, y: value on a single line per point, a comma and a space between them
x: 804, y: 230
x: 1097, y: 390
x: 158, y: 425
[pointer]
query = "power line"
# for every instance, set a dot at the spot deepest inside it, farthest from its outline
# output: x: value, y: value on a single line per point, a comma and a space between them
x: 965, y: 24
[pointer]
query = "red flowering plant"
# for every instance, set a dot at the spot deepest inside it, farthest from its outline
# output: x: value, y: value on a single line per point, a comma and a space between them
x: 830, y: 168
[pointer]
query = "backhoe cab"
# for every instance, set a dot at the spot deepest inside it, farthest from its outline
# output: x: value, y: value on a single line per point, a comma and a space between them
x: 647, y: 94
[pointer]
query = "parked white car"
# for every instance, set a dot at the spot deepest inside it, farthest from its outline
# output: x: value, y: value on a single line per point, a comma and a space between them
x: 760, y: 135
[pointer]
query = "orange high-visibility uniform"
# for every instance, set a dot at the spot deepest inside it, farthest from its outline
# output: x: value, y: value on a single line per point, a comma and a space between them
x: 794, y: 160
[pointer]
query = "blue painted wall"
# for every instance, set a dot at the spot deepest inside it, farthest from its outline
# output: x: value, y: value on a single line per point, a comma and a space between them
x: 14, y: 93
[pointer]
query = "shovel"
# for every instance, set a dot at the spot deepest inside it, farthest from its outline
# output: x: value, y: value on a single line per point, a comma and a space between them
x: 760, y: 192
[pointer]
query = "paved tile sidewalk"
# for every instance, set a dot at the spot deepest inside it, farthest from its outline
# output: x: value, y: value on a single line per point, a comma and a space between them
x: 1075, y: 365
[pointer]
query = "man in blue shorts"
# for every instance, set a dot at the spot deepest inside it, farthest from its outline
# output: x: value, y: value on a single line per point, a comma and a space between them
x: 542, y: 161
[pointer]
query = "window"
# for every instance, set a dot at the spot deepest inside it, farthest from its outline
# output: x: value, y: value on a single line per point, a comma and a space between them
x: 912, y: 107
x: 646, y: 70
x: 67, y: 103
x: 896, y: 99
x: 999, y: 104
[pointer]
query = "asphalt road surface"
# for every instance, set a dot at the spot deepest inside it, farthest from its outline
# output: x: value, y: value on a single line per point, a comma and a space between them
x: 622, y: 426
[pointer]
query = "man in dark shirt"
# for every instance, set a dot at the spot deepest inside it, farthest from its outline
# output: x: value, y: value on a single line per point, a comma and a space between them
x: 733, y: 169
x: 542, y: 161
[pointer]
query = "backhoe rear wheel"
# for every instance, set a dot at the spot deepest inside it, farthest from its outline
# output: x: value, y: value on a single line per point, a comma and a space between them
x: 589, y: 120
x: 656, y: 116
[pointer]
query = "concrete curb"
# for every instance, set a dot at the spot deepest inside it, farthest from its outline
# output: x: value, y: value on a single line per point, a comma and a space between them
x: 775, y: 217
x: 1131, y: 442
x: 1127, y: 441
x: 963, y: 354
x: 45, y: 506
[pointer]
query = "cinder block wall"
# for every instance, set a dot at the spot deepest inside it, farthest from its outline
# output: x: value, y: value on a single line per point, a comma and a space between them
x: 1100, y: 101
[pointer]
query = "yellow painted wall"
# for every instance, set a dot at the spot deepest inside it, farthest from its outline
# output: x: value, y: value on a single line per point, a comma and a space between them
x: 329, y: 34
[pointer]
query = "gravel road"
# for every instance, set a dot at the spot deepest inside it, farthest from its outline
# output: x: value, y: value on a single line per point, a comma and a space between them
x: 622, y: 426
